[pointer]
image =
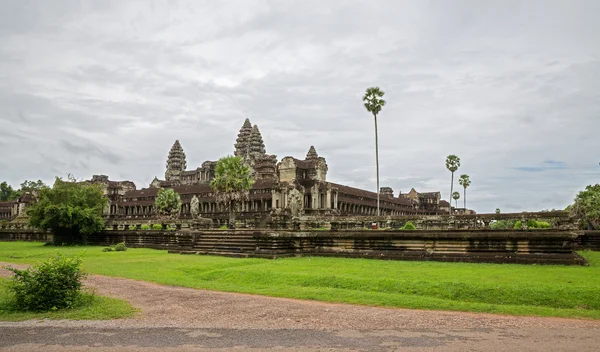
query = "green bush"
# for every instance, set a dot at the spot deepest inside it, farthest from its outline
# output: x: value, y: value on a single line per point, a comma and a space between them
x: 120, y: 247
x: 157, y: 227
x: 171, y: 227
x: 408, y: 226
x: 518, y: 225
x: 51, y: 285
x: 107, y: 249
x: 543, y: 225
x: 532, y: 224
x: 145, y: 227
x: 133, y: 227
x: 502, y: 225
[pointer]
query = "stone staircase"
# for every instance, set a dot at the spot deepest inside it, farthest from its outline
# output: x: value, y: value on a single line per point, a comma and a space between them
x: 224, y: 243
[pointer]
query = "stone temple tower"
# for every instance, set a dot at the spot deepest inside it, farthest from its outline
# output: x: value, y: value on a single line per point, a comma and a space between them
x: 256, y: 145
x: 243, y: 139
x: 175, y: 163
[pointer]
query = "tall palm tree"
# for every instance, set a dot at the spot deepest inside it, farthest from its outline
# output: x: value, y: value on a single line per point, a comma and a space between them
x: 465, y: 182
x: 373, y: 104
x: 452, y: 164
x: 232, y: 183
x: 456, y: 197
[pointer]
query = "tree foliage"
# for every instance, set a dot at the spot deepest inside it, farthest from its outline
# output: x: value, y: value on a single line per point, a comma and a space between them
x: 71, y: 210
x: 7, y: 193
x: 587, y: 206
x: 231, y: 184
x: 456, y: 197
x: 167, y: 203
x: 32, y: 186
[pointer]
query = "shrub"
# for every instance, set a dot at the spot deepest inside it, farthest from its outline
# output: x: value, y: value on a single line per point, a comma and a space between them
x: 107, y: 249
x: 532, y: 224
x: 171, y: 227
x: 408, y: 226
x: 132, y: 227
x: 145, y: 227
x: 518, y: 225
x: 543, y: 225
x: 157, y: 227
x: 502, y: 225
x: 50, y: 285
x: 120, y: 247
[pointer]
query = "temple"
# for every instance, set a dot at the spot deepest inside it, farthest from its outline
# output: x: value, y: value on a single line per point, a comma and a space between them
x: 291, y: 186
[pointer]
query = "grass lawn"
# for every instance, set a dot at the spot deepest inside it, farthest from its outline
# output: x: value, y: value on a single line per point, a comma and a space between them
x: 90, y: 307
x: 563, y: 291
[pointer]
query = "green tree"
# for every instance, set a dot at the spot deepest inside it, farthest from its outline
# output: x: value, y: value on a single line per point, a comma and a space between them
x: 452, y: 164
x: 373, y: 103
x: 70, y: 210
x: 32, y: 186
x: 464, y: 181
x: 456, y: 197
x: 167, y: 203
x: 497, y: 210
x: 232, y: 184
x: 587, y: 206
x: 7, y: 193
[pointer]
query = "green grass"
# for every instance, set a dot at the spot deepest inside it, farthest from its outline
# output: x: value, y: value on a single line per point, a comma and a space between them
x: 89, y: 307
x: 563, y: 291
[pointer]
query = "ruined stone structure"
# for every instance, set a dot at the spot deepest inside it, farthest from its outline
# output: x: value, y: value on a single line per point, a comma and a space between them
x: 291, y: 186
x: 12, y: 209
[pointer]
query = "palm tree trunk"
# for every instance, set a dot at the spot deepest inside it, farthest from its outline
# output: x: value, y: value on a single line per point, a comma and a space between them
x: 451, y: 190
x: 465, y: 199
x: 377, y: 160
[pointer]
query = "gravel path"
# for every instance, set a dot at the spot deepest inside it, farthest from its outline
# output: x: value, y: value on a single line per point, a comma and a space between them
x: 174, y: 317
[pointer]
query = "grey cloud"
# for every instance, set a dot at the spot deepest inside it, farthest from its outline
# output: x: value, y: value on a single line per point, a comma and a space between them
x: 90, y: 150
x: 98, y: 86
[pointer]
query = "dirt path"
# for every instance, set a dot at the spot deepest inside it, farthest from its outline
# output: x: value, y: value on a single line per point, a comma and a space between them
x: 251, y: 322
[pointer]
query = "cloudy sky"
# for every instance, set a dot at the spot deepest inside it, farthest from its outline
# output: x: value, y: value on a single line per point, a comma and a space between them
x: 512, y: 87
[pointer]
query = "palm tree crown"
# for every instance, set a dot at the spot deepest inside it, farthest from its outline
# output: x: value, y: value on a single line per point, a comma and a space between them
x: 232, y: 183
x: 373, y: 103
x: 456, y: 197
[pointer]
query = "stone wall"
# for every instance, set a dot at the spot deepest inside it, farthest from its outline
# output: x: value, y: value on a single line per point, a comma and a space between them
x: 588, y: 240
x: 25, y: 235
x: 485, y: 246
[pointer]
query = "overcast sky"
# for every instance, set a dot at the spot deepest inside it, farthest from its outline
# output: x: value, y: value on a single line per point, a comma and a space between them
x: 511, y: 87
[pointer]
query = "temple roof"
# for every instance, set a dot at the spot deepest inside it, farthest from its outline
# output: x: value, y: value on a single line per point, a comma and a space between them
x: 371, y: 195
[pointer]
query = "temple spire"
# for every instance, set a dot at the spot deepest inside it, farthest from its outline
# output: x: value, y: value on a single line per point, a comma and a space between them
x: 312, y: 153
x: 242, y: 143
x: 256, y: 143
x: 175, y: 162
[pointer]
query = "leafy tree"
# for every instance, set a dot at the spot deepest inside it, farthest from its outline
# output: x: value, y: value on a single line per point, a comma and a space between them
x: 232, y: 183
x: 32, y: 186
x: 373, y: 103
x: 167, y: 203
x: 452, y: 164
x: 71, y: 210
x: 456, y: 197
x: 587, y: 206
x: 7, y: 193
x: 497, y: 210
x: 465, y: 182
